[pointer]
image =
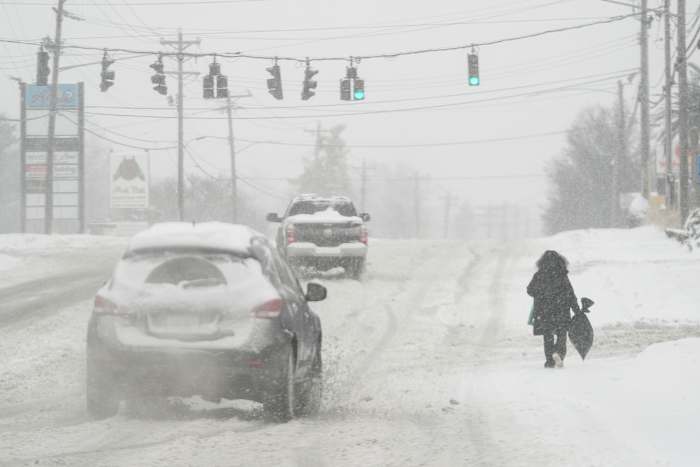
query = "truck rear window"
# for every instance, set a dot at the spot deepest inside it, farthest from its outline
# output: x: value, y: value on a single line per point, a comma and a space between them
x: 312, y: 207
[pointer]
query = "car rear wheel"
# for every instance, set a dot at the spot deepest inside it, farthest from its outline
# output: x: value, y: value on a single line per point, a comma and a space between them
x: 280, y: 402
x: 309, y: 403
x: 102, y: 397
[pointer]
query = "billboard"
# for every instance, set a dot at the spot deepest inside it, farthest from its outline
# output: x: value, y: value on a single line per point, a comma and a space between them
x: 129, y: 177
x: 67, y: 168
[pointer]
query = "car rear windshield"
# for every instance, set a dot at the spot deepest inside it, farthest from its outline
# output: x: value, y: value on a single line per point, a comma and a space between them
x: 186, y: 270
x: 343, y: 208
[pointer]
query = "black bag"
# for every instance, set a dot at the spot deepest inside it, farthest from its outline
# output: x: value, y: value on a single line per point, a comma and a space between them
x: 580, y: 329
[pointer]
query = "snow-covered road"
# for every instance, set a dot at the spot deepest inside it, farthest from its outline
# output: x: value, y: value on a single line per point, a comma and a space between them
x: 428, y: 361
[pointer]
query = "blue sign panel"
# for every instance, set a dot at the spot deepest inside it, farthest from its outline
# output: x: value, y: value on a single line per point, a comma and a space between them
x: 38, y: 97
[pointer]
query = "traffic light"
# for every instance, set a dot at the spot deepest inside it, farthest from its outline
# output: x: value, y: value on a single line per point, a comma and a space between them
x: 42, y: 67
x: 159, y: 77
x: 208, y: 87
x: 274, y: 84
x: 358, y: 92
x: 352, y: 88
x: 214, y: 85
x: 221, y: 86
x: 473, y: 61
x: 309, y: 85
x: 346, y: 89
x: 106, y: 75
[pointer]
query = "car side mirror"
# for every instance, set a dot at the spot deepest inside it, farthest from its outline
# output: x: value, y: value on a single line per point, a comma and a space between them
x: 315, y: 292
x: 273, y: 217
x: 365, y: 217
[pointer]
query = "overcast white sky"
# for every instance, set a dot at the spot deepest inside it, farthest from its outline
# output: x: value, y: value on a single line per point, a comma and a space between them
x: 298, y: 28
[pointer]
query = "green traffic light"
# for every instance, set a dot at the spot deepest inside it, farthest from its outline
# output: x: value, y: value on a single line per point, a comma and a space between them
x: 359, y: 94
x: 474, y: 81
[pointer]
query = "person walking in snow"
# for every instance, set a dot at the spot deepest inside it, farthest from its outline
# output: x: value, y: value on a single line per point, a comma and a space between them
x: 554, y: 298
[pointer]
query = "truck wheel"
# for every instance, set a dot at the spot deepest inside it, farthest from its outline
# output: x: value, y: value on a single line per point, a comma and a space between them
x: 356, y: 267
x: 280, y: 401
x: 101, y: 395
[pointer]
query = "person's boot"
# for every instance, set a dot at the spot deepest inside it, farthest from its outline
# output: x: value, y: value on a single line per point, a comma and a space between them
x: 558, y: 362
x: 549, y: 364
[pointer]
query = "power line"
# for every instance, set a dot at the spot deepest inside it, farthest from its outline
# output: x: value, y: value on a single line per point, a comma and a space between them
x: 609, y: 20
x: 166, y: 3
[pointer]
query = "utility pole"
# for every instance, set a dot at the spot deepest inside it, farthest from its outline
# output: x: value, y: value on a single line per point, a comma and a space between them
x: 668, y: 97
x: 683, y: 110
x: 363, y: 188
x: 618, y: 157
x: 48, y: 215
x: 446, y: 220
x: 644, y: 97
x: 416, y: 202
x: 180, y: 45
x: 232, y: 151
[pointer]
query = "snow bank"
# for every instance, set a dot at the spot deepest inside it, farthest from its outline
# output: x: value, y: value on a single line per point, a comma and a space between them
x: 35, y: 244
x: 8, y: 262
x: 632, y: 275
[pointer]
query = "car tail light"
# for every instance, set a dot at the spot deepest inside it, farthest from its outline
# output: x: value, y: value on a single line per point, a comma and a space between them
x: 291, y: 234
x: 270, y: 309
x: 364, y: 235
x: 105, y: 306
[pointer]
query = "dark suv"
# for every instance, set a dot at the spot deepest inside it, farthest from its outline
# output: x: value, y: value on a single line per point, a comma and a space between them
x: 204, y: 309
x: 323, y: 232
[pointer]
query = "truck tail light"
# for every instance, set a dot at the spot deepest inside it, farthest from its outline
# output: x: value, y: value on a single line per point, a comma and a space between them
x: 268, y: 310
x: 364, y: 235
x: 291, y: 234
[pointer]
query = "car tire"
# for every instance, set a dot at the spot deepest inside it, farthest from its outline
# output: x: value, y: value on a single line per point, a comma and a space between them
x: 309, y: 403
x: 280, y: 402
x: 101, y: 395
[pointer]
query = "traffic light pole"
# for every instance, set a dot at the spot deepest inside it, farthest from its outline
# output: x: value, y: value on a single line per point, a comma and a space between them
x: 644, y: 99
x: 683, y: 111
x: 180, y: 45
x: 53, y: 104
x: 668, y: 98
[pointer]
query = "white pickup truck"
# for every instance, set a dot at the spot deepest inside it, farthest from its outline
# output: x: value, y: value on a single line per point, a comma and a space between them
x: 323, y: 233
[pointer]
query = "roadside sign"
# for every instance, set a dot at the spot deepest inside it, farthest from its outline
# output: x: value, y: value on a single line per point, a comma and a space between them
x: 65, y: 171
x: 35, y: 171
x: 35, y: 158
x: 68, y: 207
x: 65, y: 157
x: 129, y: 181
x: 38, y: 97
x: 41, y: 143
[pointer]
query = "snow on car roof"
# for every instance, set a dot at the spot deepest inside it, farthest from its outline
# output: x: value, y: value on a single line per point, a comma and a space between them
x: 206, y: 235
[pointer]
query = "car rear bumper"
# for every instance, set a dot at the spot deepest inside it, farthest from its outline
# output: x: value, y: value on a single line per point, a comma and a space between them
x: 344, y: 250
x: 245, y: 372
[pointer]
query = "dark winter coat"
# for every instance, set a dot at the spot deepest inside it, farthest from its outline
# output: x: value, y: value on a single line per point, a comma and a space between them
x: 554, y: 299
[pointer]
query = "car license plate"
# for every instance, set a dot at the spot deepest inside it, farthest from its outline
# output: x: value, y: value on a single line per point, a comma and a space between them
x: 182, y: 321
